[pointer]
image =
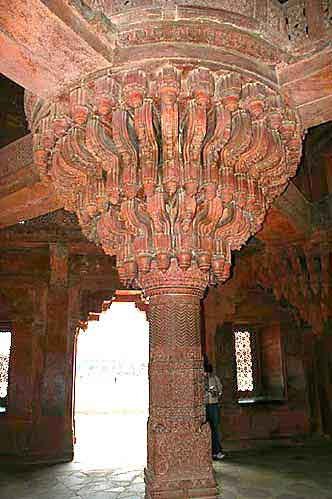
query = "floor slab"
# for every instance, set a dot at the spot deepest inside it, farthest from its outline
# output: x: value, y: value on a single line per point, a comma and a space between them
x: 288, y: 473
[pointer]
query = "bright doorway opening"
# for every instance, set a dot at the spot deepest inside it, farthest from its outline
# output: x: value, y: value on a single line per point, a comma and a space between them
x: 111, y: 388
x: 5, y: 345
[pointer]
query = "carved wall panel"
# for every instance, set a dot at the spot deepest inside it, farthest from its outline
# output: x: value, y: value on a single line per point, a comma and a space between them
x: 303, y: 278
x: 297, y: 21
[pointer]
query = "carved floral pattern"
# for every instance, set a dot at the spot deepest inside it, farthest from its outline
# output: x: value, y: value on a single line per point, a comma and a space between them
x: 172, y: 165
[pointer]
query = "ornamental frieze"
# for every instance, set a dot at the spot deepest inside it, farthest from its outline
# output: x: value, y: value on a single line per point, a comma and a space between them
x: 246, y: 8
x: 224, y: 37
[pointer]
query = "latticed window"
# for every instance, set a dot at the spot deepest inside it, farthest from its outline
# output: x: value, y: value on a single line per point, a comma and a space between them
x: 244, y: 361
x: 5, y: 343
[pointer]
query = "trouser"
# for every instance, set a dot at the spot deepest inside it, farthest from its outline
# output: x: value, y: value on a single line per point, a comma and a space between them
x: 213, y: 417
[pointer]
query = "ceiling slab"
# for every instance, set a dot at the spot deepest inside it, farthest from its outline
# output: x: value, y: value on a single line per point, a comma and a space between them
x: 41, y: 52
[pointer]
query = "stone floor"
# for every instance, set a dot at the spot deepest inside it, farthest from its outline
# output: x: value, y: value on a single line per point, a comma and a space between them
x: 292, y: 473
x: 283, y: 473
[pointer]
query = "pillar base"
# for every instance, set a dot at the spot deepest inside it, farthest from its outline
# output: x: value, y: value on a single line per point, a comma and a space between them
x: 179, y: 460
x: 158, y: 488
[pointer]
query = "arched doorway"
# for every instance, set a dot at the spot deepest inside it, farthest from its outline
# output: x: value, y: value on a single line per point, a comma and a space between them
x: 111, y: 386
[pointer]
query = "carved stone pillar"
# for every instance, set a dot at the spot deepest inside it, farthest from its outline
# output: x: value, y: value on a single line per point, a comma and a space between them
x: 324, y: 383
x: 179, y: 449
x: 54, y: 438
x: 312, y: 381
x: 170, y: 167
x: 74, y: 307
x: 20, y: 389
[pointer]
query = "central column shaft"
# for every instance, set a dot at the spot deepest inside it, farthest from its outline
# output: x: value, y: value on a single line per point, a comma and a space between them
x: 179, y: 445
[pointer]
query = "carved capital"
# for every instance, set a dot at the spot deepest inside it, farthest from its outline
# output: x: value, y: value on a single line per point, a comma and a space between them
x: 191, y: 281
x: 170, y: 170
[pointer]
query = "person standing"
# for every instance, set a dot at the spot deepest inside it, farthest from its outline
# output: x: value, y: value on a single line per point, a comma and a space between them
x: 213, y: 394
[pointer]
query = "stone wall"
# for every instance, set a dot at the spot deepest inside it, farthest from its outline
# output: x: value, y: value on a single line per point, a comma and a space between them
x: 290, y: 371
x: 47, y: 288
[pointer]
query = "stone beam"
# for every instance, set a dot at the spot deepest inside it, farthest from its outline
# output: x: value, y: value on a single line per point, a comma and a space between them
x: 297, y: 209
x: 308, y: 83
x: 27, y: 203
x: 22, y: 195
x: 46, y: 45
